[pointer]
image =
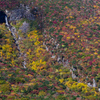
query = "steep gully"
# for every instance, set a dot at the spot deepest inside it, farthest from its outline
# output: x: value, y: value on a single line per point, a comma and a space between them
x: 14, y: 32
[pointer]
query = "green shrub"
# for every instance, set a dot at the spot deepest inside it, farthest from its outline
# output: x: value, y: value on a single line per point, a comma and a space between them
x: 10, y: 97
x: 24, y: 99
x: 11, y: 79
x: 98, y: 77
x: 61, y: 97
x: 5, y: 87
x: 20, y: 80
x: 2, y: 81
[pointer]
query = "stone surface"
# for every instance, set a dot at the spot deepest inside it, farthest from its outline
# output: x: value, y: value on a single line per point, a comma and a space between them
x: 99, y: 89
x: 25, y: 27
x: 66, y: 63
x: 53, y: 56
x: 89, y: 85
x: 28, y: 15
x: 20, y: 12
x: 16, y: 14
x: 94, y: 83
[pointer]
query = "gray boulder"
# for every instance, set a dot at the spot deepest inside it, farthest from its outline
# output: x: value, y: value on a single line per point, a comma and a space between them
x: 25, y: 27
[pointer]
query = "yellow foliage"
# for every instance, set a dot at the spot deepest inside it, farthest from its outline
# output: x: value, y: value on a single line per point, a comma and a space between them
x: 7, y: 47
x: 71, y: 17
x: 36, y: 64
x: 37, y: 52
x: 60, y: 70
x: 67, y: 17
x: 95, y: 6
x: 59, y: 91
x: 1, y: 53
x: 80, y: 87
x: 61, y: 80
x: 68, y: 37
x: 30, y: 75
x: 67, y: 24
x: 33, y: 36
x: 8, y: 55
x: 42, y: 93
x: 72, y: 27
x: 76, y: 33
x: 95, y: 53
x: 51, y: 76
x: 57, y: 70
x: 68, y: 84
x: 6, y: 51
x: 9, y: 75
x: 36, y: 43
x: 29, y: 50
x: 66, y: 7
x: 72, y: 43
x: 8, y: 40
x: 84, y: 22
x: 87, y: 49
x: 98, y: 56
x: 27, y: 53
x: 12, y: 61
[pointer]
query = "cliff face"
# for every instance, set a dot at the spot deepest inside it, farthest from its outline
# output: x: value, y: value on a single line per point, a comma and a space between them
x: 20, y: 12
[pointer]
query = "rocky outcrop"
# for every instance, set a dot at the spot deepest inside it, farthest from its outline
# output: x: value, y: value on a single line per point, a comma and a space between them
x: 25, y: 27
x: 20, y: 12
x: 16, y: 14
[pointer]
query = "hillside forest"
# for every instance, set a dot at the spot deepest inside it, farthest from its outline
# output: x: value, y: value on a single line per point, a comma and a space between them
x: 62, y: 48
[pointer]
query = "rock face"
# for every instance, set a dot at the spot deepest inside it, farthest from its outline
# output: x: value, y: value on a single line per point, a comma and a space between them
x: 25, y: 27
x: 28, y: 15
x: 20, y: 12
x: 16, y: 14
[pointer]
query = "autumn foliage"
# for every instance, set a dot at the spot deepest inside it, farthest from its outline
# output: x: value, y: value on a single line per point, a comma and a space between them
x: 71, y: 29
